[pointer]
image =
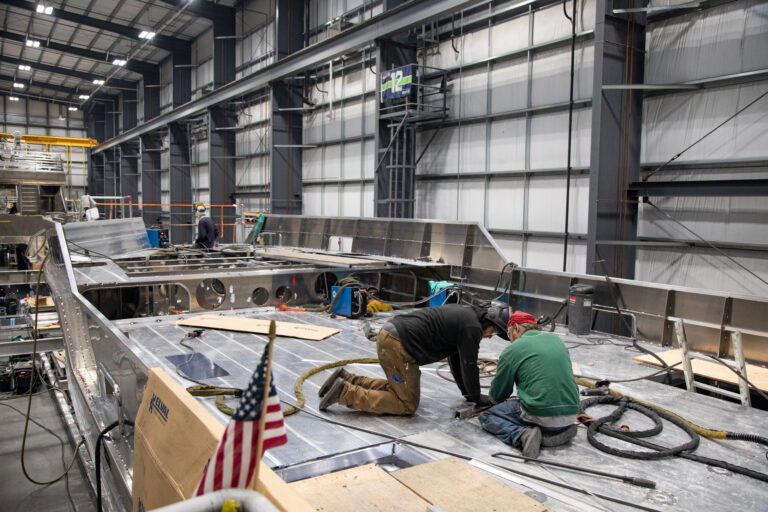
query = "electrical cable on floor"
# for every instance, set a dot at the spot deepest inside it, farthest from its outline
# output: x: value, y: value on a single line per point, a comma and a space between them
x: 691, y: 426
x: 466, y: 458
x: 99, y: 441
x: 61, y: 443
x: 710, y: 132
x: 486, y: 368
x: 29, y: 401
x: 644, y: 377
x: 710, y: 244
x: 615, y: 294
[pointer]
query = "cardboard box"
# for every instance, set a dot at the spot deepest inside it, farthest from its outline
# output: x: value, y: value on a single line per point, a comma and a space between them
x: 174, y: 437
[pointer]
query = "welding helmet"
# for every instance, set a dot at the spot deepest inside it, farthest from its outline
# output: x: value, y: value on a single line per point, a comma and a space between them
x: 498, y: 314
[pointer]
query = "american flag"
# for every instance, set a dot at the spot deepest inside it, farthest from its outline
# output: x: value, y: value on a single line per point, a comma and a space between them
x: 234, y: 460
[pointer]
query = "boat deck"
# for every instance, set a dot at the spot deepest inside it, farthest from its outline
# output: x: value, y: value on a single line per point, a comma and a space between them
x: 681, y: 484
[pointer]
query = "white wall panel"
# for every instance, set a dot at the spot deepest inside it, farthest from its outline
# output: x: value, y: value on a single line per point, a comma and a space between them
x: 546, y: 211
x: 330, y: 198
x: 547, y: 254
x: 506, y: 203
x: 511, y: 246
x: 672, y: 122
x: 436, y: 200
x: 549, y: 139
x: 332, y: 168
x: 550, y: 24
x: 509, y: 85
x: 509, y: 36
x: 507, y: 146
x: 552, y: 71
x: 369, y: 158
x: 472, y: 201
x: 468, y: 96
x: 723, y: 40
x: 352, y: 161
x: 312, y: 161
x: 353, y: 119
x: 442, y: 156
x: 311, y: 198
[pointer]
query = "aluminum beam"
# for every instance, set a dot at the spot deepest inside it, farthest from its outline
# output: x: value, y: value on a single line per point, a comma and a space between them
x: 159, y: 41
x: 17, y: 348
x: 407, y: 16
x: 616, y: 135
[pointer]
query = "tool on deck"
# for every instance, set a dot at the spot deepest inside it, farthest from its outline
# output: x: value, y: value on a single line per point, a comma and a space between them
x: 640, y: 482
x: 469, y: 412
x: 283, y: 307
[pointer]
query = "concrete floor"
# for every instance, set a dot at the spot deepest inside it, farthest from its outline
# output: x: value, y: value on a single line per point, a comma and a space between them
x: 43, y: 460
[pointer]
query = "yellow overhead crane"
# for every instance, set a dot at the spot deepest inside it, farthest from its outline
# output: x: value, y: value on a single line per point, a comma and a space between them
x: 48, y: 140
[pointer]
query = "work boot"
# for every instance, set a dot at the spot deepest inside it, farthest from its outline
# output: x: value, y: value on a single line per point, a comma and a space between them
x: 339, y: 373
x: 558, y: 438
x: 530, y: 442
x: 333, y: 395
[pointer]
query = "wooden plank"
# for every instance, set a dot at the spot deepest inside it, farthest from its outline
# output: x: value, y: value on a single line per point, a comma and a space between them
x: 322, y: 259
x: 757, y: 375
x: 455, y: 486
x: 362, y: 489
x: 258, y: 326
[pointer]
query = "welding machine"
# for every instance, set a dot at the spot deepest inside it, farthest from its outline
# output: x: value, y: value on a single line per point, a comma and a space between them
x: 349, y: 301
x: 158, y: 237
x: 21, y: 377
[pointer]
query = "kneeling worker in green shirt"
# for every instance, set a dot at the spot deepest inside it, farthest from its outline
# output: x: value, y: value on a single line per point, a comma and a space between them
x: 547, y: 402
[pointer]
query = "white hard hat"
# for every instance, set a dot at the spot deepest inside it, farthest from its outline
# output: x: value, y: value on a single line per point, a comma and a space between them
x: 201, y: 208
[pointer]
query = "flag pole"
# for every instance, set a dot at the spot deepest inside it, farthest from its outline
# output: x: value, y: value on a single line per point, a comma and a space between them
x: 265, y: 398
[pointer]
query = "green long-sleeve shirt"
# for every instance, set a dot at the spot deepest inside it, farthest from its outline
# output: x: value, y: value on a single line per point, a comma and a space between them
x: 539, y: 364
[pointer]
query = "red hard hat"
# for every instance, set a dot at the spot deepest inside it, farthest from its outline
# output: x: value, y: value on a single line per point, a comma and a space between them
x: 521, y: 317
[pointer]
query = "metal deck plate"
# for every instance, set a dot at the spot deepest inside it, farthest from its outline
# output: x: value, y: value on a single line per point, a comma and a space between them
x: 682, y: 485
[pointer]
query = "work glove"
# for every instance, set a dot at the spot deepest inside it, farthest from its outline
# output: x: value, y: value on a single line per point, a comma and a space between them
x: 376, y: 306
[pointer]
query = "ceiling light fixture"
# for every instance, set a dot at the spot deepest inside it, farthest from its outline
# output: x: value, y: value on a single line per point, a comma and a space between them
x: 44, y: 9
x: 13, y: 98
x: 24, y: 67
x: 72, y: 109
x: 18, y: 85
x: 32, y: 43
x: 145, y: 34
x: 84, y: 96
x: 98, y: 82
x: 119, y: 62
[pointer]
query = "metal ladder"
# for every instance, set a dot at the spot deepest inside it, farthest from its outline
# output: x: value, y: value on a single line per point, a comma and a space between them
x: 690, y: 377
x: 29, y: 199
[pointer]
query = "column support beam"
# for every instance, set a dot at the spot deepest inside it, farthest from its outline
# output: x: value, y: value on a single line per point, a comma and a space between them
x: 181, y: 185
x: 616, y: 135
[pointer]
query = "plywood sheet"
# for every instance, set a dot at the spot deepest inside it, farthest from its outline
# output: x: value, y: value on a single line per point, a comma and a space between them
x: 455, y: 486
x: 321, y: 259
x: 713, y: 370
x: 258, y: 326
x: 362, y: 489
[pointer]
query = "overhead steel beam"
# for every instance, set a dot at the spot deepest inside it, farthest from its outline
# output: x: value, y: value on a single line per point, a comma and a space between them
x: 718, y: 188
x: 205, y: 9
x: 163, y: 42
x: 39, y: 66
x: 409, y: 15
x: 135, y: 65
x: 51, y: 87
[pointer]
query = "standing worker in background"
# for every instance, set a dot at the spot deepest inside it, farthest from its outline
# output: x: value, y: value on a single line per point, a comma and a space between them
x: 413, y: 339
x: 206, y: 229
x: 544, y: 412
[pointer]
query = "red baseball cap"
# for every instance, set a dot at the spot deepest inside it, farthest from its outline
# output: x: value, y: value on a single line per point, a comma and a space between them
x: 521, y: 317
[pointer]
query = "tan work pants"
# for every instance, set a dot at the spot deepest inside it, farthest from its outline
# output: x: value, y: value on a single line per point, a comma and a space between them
x: 398, y: 393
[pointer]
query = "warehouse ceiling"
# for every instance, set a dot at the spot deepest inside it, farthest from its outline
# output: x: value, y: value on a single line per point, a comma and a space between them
x: 56, y: 49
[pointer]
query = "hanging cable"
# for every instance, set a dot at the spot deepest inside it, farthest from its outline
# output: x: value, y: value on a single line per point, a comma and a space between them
x: 572, y: 19
x: 710, y: 132
x: 713, y: 246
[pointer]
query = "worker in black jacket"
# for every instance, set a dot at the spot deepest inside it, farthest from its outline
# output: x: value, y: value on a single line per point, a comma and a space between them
x: 413, y: 339
x: 206, y: 230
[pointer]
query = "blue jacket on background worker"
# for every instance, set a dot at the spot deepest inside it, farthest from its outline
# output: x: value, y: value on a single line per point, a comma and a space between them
x: 206, y: 230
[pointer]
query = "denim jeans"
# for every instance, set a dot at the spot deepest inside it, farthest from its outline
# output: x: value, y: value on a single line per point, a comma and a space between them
x: 503, y: 421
